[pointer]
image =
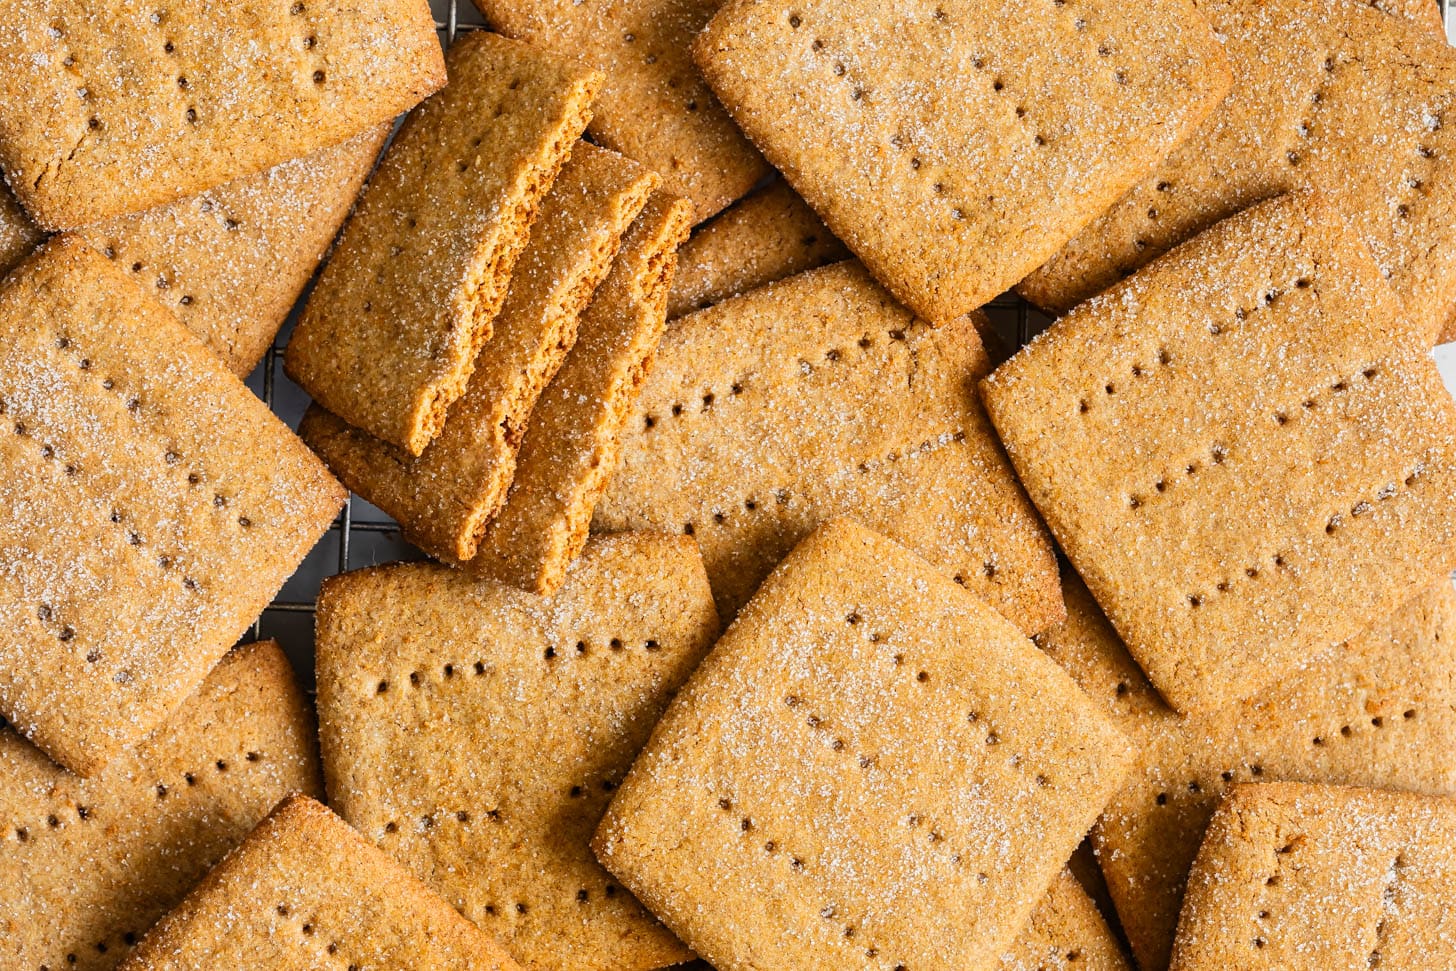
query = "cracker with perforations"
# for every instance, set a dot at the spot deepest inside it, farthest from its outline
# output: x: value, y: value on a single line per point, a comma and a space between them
x: 151, y: 506
x: 305, y: 891
x: 655, y: 107
x: 548, y: 700
x: 444, y: 497
x: 765, y: 236
x: 1309, y: 878
x: 1245, y: 450
x: 89, y: 864
x: 392, y: 330
x: 872, y: 768
x: 830, y: 399
x: 572, y: 446
x: 1328, y: 93
x: 1065, y: 933
x: 110, y: 109
x: 955, y: 145
x: 1379, y: 711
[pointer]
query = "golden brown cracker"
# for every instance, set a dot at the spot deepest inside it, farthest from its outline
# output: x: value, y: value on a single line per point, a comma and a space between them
x: 1065, y: 933
x: 18, y: 235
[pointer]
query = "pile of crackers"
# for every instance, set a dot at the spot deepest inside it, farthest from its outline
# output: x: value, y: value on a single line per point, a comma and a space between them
x: 775, y: 613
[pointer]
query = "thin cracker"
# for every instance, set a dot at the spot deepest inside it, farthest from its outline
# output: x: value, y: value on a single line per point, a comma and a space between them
x: 393, y: 328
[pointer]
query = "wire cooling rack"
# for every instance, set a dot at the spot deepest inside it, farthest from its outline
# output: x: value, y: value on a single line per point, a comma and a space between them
x: 363, y: 535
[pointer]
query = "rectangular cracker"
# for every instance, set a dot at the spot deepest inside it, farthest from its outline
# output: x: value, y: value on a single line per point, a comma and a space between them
x: 152, y: 506
x: 1329, y: 93
x: 871, y: 769
x: 571, y: 448
x: 829, y: 399
x: 305, y: 891
x: 404, y: 305
x: 231, y: 262
x: 1245, y: 450
x: 955, y: 145
x: 1379, y: 711
x: 89, y: 864
x: 444, y: 497
x: 1065, y: 933
x: 1307, y: 878
x: 765, y: 236
x: 112, y: 109
x: 549, y: 699
x: 654, y: 107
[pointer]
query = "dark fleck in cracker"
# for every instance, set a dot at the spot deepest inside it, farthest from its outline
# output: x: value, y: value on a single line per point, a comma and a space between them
x: 870, y: 769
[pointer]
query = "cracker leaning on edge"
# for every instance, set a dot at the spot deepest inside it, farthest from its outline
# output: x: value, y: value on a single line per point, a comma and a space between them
x: 820, y: 396
x: 444, y: 497
x: 392, y: 330
x: 1379, y: 711
x: 516, y: 716
x: 152, y: 506
x: 571, y: 447
x: 955, y: 145
x: 111, y: 109
x: 89, y: 864
x: 305, y: 891
x: 1309, y: 878
x: 1295, y: 465
x: 655, y: 107
x: 872, y: 768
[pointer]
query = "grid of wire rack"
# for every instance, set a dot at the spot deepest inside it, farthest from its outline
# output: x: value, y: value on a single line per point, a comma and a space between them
x: 289, y: 617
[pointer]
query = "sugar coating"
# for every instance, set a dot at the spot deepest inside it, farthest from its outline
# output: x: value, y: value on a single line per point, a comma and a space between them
x: 151, y: 506
x: 1378, y: 711
x: 1245, y: 449
x: 113, y: 108
x: 871, y: 769
x: 476, y: 733
x: 18, y: 235
x: 1065, y: 933
x: 955, y: 145
x: 392, y: 330
x: 820, y: 396
x: 89, y: 864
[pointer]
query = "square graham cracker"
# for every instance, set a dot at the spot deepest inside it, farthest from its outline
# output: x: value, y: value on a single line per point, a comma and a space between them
x: 954, y: 146
x: 444, y: 497
x: 517, y: 716
x: 1312, y: 878
x: 305, y: 891
x: 1378, y: 711
x: 871, y: 769
x: 89, y: 864
x: 765, y: 236
x: 111, y: 109
x: 820, y: 396
x: 655, y: 107
x: 571, y: 448
x: 405, y: 303
x: 1245, y: 449
x: 152, y: 506
x: 1329, y: 93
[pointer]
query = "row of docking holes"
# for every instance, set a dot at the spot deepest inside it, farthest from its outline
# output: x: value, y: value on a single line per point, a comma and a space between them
x: 164, y: 283
x: 674, y: 81
x: 309, y: 928
x: 448, y: 672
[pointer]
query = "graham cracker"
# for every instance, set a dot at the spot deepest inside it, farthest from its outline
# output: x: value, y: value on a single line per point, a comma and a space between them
x: 1379, y: 711
x: 1329, y: 93
x: 444, y: 497
x: 571, y: 448
x: 89, y: 864
x: 654, y: 107
x: 305, y: 891
x: 1424, y: 13
x: 18, y: 235
x: 1278, y: 856
x: 392, y: 330
x: 1245, y: 449
x: 799, y: 804
x: 1065, y: 933
x: 829, y: 399
x: 152, y: 506
x: 517, y: 715
x: 109, y: 110
x: 765, y: 236
x: 956, y: 145
x: 231, y: 262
